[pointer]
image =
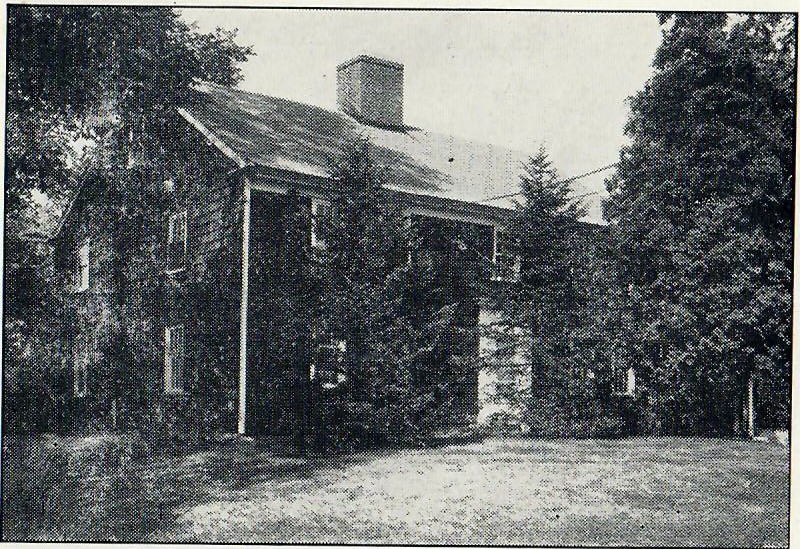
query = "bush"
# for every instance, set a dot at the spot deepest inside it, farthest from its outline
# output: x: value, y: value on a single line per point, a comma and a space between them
x: 64, y: 488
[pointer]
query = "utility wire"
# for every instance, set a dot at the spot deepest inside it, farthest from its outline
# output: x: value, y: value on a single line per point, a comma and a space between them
x: 598, y: 170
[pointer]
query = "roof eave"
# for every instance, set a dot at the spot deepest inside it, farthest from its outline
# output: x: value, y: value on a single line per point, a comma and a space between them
x: 216, y: 141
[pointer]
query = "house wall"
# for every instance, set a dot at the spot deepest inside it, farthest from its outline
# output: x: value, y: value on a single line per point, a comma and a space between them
x: 132, y: 298
x: 89, y: 316
x: 278, y: 332
x: 279, y: 336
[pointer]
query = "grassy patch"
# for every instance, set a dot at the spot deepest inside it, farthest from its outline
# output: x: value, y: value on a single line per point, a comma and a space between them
x: 659, y: 491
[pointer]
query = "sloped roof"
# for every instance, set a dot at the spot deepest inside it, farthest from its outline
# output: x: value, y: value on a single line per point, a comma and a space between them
x: 279, y: 133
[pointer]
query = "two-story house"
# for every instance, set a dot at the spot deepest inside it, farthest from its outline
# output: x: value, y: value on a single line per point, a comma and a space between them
x: 235, y: 160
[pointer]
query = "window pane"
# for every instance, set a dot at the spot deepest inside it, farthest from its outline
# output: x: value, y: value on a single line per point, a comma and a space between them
x: 179, y: 359
x: 631, y: 381
x: 328, y: 363
x: 167, y: 359
x: 319, y: 209
x: 180, y: 231
x: 506, y: 263
x: 81, y: 360
x: 174, y: 362
x: 176, y: 241
x: 84, y: 253
x: 81, y: 273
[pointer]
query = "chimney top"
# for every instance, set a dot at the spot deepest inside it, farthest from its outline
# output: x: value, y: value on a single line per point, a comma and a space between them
x: 370, y: 59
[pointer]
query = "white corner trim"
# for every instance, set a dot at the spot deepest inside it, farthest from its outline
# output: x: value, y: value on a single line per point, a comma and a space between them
x: 225, y: 149
x: 243, y: 310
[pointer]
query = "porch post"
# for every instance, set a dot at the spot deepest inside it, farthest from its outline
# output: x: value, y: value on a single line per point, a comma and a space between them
x: 243, y: 311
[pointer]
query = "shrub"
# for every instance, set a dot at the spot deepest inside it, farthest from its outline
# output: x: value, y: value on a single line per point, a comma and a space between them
x: 65, y: 488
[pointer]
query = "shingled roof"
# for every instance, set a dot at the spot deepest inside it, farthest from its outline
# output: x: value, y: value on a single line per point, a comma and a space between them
x: 278, y: 133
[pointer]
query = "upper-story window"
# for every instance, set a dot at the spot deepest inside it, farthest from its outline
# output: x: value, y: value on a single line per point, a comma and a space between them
x: 506, y: 264
x: 80, y: 275
x: 176, y: 242
x: 318, y: 210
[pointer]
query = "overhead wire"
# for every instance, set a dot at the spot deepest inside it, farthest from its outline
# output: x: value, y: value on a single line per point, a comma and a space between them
x: 576, y: 177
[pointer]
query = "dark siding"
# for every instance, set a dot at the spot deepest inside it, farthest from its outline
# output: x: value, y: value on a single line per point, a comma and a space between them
x: 127, y: 308
x: 278, y: 336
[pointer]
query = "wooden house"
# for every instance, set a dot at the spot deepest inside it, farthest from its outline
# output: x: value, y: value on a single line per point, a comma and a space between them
x: 223, y: 183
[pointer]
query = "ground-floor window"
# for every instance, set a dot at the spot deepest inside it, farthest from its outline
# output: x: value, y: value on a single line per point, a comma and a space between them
x: 327, y: 366
x: 174, y: 359
x: 630, y: 382
x: 624, y: 381
x: 81, y: 366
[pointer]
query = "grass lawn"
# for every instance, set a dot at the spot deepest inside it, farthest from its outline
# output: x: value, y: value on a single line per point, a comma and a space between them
x: 644, y: 491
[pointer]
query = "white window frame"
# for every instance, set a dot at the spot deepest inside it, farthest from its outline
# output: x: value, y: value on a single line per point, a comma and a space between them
x: 624, y: 385
x: 339, y: 348
x: 496, y: 276
x: 171, y: 238
x: 80, y: 280
x: 630, y: 382
x: 80, y: 366
x: 170, y: 381
x: 317, y: 242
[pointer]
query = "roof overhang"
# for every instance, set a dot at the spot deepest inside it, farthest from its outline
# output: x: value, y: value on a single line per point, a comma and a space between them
x: 277, y: 180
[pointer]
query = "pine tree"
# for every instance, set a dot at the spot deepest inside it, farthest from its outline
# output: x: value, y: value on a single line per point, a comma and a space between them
x: 553, y: 300
x: 381, y: 313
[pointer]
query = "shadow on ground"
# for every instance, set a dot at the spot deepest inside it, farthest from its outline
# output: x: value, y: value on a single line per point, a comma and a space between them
x: 638, y: 491
x: 225, y: 473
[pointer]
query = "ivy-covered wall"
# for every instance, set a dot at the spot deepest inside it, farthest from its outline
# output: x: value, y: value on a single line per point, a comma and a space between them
x: 132, y: 298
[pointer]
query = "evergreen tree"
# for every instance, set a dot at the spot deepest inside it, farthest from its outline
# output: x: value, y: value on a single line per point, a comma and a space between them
x: 385, y: 309
x: 555, y: 302
x: 701, y: 204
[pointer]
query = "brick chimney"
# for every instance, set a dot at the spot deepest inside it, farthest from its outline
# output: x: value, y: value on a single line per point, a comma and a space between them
x: 371, y: 91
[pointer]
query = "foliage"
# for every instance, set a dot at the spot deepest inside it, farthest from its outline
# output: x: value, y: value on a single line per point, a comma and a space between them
x: 79, y: 71
x: 379, y: 294
x: 53, y: 487
x: 701, y: 206
x: 106, y: 80
x: 554, y: 305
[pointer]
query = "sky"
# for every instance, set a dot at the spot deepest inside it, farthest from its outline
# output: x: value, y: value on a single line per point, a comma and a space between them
x: 516, y: 79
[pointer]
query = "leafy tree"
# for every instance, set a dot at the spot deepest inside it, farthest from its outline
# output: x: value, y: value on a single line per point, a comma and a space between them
x: 79, y: 71
x: 106, y: 80
x: 701, y: 204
